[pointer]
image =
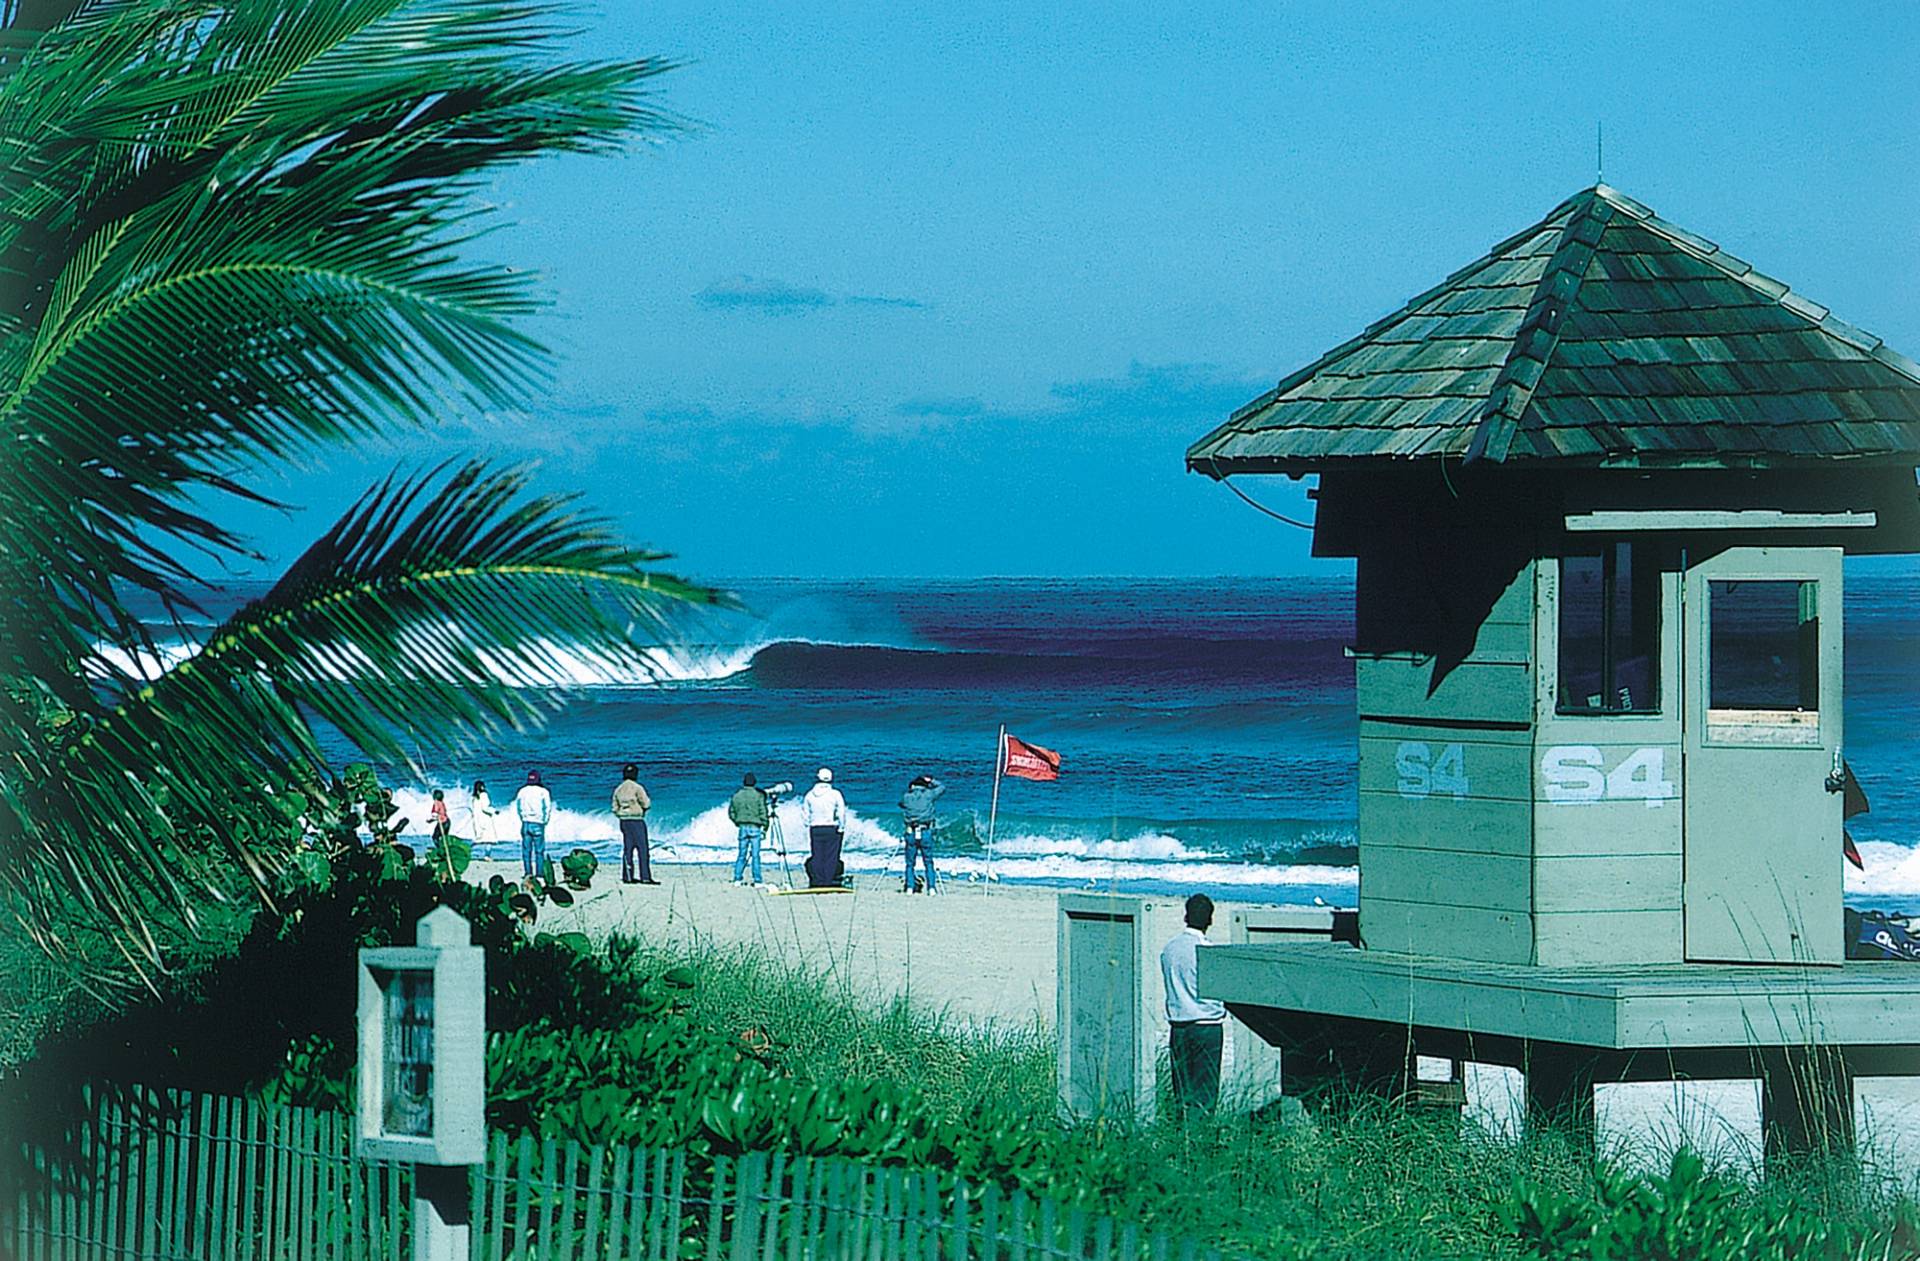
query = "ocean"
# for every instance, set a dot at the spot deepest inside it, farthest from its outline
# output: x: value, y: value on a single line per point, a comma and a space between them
x: 1205, y: 734
x: 1206, y: 728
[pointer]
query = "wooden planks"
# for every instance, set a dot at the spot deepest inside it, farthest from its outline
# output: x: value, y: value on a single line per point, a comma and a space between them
x: 1472, y: 691
x: 1620, y: 936
x: 1466, y: 933
x: 1447, y: 878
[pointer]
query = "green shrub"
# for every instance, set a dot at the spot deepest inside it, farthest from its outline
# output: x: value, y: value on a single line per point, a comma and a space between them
x: 276, y: 1015
x: 578, y: 867
x: 1690, y: 1212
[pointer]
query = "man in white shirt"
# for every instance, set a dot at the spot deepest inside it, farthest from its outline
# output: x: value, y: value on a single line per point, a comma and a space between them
x: 826, y: 829
x: 1198, y: 1025
x: 534, y: 804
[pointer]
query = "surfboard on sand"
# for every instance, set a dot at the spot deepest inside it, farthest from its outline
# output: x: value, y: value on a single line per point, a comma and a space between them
x: 783, y: 893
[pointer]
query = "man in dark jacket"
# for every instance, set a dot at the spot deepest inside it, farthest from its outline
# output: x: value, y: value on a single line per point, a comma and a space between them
x: 916, y: 811
x: 748, y: 811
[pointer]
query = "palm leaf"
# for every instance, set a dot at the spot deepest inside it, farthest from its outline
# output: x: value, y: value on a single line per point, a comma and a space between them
x: 229, y: 232
x: 248, y: 242
x: 434, y: 607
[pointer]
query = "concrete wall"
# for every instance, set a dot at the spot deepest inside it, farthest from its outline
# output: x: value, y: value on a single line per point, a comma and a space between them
x: 1257, y: 1068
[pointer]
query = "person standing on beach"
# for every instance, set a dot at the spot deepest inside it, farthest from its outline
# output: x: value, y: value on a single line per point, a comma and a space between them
x: 749, y: 811
x: 916, y: 814
x: 534, y: 804
x: 630, y: 806
x: 1197, y: 1025
x: 485, y: 818
x: 442, y: 825
x: 826, y: 829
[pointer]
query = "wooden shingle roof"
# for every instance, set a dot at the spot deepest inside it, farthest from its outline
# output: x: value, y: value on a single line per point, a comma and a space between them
x: 1601, y: 335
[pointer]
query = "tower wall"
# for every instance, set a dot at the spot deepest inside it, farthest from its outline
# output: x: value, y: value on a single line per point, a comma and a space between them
x: 1444, y: 629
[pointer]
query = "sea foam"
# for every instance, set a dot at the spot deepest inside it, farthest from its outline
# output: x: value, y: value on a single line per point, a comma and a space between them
x: 871, y: 847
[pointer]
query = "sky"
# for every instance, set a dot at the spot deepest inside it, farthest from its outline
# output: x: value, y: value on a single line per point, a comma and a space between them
x: 948, y: 289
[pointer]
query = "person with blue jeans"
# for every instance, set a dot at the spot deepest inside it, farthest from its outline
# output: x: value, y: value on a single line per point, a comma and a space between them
x: 534, y: 804
x: 749, y: 812
x: 916, y: 812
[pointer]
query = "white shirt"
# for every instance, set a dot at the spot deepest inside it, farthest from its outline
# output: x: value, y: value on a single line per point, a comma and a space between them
x: 534, y: 803
x: 483, y: 816
x: 826, y: 808
x: 1180, y: 969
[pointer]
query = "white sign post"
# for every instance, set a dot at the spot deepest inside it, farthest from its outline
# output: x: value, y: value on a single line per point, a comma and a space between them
x: 422, y: 1072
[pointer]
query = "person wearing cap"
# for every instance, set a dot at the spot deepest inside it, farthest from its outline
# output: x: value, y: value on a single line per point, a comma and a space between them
x: 534, y: 804
x: 1197, y: 1025
x: 630, y: 806
x: 826, y: 829
x: 916, y: 815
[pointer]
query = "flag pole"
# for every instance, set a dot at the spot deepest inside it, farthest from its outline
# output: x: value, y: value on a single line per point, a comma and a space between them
x: 993, y: 812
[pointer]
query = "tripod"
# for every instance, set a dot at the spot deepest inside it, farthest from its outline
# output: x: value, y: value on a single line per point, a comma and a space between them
x: 777, y: 837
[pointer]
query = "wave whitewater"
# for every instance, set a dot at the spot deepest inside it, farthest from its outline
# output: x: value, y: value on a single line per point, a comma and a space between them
x: 870, y: 847
x: 569, y: 666
x: 1149, y: 855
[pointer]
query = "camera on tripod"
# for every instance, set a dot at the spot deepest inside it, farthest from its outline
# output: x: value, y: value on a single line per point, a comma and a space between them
x: 774, y: 791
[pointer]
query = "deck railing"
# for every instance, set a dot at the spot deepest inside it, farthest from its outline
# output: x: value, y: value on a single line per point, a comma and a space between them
x: 205, y: 1178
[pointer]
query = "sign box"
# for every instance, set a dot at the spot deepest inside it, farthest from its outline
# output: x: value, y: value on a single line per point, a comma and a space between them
x: 422, y: 1049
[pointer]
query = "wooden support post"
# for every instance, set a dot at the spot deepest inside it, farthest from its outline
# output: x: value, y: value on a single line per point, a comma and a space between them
x: 442, y: 1227
x: 1806, y: 1101
x: 1559, y: 1092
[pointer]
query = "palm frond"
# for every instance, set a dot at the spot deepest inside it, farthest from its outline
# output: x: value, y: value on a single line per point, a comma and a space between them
x: 236, y: 230
x: 231, y: 230
x: 435, y: 607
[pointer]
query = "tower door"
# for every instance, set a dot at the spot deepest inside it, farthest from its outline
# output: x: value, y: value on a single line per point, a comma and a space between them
x: 1761, y: 669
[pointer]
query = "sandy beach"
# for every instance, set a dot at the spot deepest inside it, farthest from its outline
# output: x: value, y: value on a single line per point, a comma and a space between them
x: 980, y: 953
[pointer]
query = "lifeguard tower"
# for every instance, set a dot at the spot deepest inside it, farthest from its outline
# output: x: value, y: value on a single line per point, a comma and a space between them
x: 1597, y: 485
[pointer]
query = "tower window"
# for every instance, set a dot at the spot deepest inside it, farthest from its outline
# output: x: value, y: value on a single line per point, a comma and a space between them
x: 1610, y: 631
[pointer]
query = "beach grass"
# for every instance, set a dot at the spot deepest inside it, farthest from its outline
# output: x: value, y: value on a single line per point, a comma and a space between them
x: 1361, y: 1177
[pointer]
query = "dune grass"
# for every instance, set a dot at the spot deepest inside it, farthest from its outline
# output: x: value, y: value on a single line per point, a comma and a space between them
x: 1361, y: 1177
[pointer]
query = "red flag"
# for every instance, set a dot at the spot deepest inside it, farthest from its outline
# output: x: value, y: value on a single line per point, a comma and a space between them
x: 1029, y: 761
x: 1848, y: 848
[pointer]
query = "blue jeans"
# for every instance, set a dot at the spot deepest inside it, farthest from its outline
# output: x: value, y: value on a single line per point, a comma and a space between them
x: 750, y: 838
x: 917, y: 834
x: 533, y: 850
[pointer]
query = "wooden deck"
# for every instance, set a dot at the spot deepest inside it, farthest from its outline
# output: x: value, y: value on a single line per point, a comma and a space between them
x: 1663, y: 1007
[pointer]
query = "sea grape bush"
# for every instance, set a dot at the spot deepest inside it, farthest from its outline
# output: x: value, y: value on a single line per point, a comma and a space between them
x: 586, y: 1044
x: 717, y: 1096
x: 1690, y: 1212
x: 276, y: 1016
x: 577, y: 868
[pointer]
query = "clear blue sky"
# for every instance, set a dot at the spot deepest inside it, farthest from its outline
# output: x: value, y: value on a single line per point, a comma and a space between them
x: 948, y: 289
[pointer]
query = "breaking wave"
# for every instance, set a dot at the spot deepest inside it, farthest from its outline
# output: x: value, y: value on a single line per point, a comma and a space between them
x: 832, y: 665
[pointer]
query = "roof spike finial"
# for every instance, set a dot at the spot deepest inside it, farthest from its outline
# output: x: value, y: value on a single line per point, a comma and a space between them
x: 1599, y: 151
